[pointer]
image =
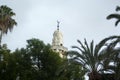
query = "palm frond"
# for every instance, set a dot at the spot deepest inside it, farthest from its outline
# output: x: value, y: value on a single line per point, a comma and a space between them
x: 90, y: 55
x: 6, y: 19
x: 102, y: 43
x: 86, y: 44
x: 116, y: 23
x: 92, y: 46
x: 77, y: 48
x: 114, y: 43
x: 82, y: 59
x: 85, y: 49
x: 84, y: 64
x: 111, y: 16
x: 82, y: 45
x: 118, y: 8
x: 87, y: 54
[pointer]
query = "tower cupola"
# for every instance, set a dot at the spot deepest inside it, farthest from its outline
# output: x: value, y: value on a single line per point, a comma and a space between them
x: 57, y: 42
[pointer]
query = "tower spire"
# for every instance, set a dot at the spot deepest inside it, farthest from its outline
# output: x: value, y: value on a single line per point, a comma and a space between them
x: 57, y: 43
x: 58, y: 22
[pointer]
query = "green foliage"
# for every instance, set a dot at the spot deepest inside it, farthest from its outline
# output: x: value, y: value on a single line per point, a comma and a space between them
x: 114, y: 50
x: 70, y: 70
x: 35, y: 62
x: 45, y: 60
x: 6, y: 20
x: 23, y: 64
x: 93, y: 59
x: 38, y: 62
x: 116, y: 16
x: 7, y: 65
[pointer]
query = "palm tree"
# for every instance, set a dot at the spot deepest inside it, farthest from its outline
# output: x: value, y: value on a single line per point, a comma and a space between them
x: 116, y: 16
x: 70, y: 70
x: 6, y: 20
x: 92, y: 57
x: 114, y: 49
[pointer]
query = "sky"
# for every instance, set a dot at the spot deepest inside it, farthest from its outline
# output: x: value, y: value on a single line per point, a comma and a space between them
x: 79, y: 19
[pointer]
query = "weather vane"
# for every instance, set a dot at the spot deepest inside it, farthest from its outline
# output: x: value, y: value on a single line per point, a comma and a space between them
x: 58, y: 22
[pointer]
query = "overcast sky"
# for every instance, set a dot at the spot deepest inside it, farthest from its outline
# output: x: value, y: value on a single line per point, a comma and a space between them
x: 79, y: 19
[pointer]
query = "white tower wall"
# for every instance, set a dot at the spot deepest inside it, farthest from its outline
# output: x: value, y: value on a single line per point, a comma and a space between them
x: 57, y: 43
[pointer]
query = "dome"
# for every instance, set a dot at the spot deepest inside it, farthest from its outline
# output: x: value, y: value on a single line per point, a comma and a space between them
x: 57, y: 38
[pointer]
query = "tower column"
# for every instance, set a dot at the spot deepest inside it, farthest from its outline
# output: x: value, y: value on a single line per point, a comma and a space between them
x: 57, y: 42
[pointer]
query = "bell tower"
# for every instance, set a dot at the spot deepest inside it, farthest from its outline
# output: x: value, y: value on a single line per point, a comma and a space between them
x: 57, y: 42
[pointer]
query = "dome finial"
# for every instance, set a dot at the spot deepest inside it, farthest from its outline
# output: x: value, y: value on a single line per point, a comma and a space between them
x: 58, y: 22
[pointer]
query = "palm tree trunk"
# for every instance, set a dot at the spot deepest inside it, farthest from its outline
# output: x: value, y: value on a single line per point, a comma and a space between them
x: 0, y: 39
x: 95, y: 76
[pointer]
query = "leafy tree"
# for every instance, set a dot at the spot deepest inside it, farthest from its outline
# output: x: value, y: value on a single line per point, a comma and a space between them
x: 24, y: 64
x: 7, y: 64
x: 15, y: 65
x: 6, y: 20
x: 116, y: 16
x: 46, y: 62
x: 92, y: 57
